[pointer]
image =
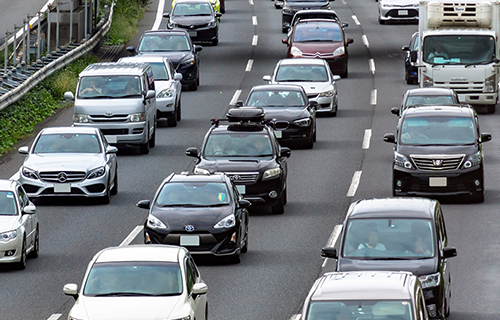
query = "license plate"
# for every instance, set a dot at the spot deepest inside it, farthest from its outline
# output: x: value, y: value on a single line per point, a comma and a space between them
x: 241, y: 188
x: 62, y: 188
x: 402, y: 12
x: 111, y: 139
x: 278, y: 134
x: 438, y: 182
x: 192, y: 33
x: 190, y: 241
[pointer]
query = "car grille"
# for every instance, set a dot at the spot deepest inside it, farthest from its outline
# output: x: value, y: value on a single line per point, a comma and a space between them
x: 243, y: 177
x: 192, y: 27
x: 317, y: 55
x: 438, y: 162
x: 113, y: 118
x: 62, y: 176
x: 111, y: 132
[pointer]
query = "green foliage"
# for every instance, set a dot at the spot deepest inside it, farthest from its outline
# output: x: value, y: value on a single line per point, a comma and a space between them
x: 126, y: 16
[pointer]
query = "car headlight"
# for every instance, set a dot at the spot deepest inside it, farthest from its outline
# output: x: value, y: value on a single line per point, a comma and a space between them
x: 271, y: 173
x: 137, y: 117
x: 188, y: 62
x: 165, y: 93
x: 227, y: 222
x: 81, y: 118
x: 327, y: 94
x: 212, y: 23
x: 304, y: 122
x: 155, y: 223
x: 489, y: 84
x: 288, y: 9
x: 339, y: 51
x: 428, y: 82
x: 295, y: 52
x: 96, y: 173
x: 201, y: 171
x: 473, y: 160
x: 29, y: 173
x: 430, y: 280
x: 7, y: 236
x: 402, y: 161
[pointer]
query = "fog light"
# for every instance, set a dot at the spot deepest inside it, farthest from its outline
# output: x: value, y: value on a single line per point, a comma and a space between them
x: 147, y: 239
x: 431, y: 310
x: 477, y: 183
x: 399, y: 183
x: 233, y: 237
x: 273, y: 194
x: 9, y: 253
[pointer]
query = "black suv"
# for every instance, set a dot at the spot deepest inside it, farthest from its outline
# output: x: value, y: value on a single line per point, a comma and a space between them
x: 290, y: 7
x: 404, y: 234
x: 245, y: 147
x: 176, y: 45
x: 438, y: 152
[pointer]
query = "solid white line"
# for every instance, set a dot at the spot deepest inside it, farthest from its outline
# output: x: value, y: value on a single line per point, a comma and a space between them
x: 354, y: 184
x: 365, y: 41
x: 251, y: 2
x: 55, y: 316
x: 131, y: 236
x: 296, y: 317
x: 373, y: 97
x: 255, y: 39
x: 159, y: 15
x: 371, y: 62
x: 254, y: 20
x: 235, y: 98
x: 366, y: 139
x: 249, y: 65
x: 356, y: 21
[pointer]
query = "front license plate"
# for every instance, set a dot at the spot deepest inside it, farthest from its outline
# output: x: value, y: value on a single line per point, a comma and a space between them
x: 62, y: 188
x: 192, y: 33
x: 402, y: 12
x: 190, y: 241
x: 438, y: 182
x: 241, y: 188
x: 278, y: 134
x: 111, y: 139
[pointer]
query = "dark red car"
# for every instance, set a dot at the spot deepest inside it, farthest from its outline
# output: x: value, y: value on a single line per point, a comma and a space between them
x: 320, y: 38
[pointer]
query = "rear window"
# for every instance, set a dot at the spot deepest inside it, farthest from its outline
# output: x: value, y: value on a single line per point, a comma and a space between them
x: 360, y: 310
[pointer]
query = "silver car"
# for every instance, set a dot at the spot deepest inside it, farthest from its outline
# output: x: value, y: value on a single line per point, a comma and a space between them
x: 397, y: 10
x: 19, y: 228
x: 70, y: 161
x: 168, y: 86
x: 314, y: 75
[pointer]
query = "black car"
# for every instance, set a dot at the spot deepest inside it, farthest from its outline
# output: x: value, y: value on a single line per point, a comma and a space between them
x: 438, y: 151
x: 404, y: 234
x: 411, y: 69
x: 427, y: 97
x: 204, y: 213
x: 176, y: 45
x: 198, y: 18
x: 245, y: 147
x: 289, y: 105
x: 290, y: 7
x: 316, y: 14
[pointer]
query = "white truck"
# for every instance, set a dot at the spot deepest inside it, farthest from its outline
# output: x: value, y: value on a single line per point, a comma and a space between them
x: 459, y: 48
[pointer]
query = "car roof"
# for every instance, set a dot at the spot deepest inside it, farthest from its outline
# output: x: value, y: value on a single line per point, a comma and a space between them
x: 283, y: 87
x: 191, y: 1
x: 114, y: 68
x: 461, y: 111
x: 130, y: 253
x: 430, y: 92
x: 302, y: 61
x: 144, y: 58
x: 301, y: 21
x: 59, y: 130
x: 314, y: 11
x: 367, y: 285
x: 181, y: 177
x: 160, y: 31
x: 7, y: 185
x: 393, y: 207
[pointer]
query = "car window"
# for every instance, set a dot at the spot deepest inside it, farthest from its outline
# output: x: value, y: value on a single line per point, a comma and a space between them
x: 238, y: 144
x: 8, y: 206
x: 192, y: 9
x: 190, y: 276
x: 171, y: 69
x: 438, y: 131
x: 165, y: 42
x: 389, y: 238
x: 67, y: 143
x: 430, y: 100
x: 275, y: 98
x: 301, y: 74
x: 359, y: 309
x: 193, y: 194
x: 331, y: 16
x: 23, y: 197
x: 310, y: 32
x: 414, y: 44
x: 96, y: 87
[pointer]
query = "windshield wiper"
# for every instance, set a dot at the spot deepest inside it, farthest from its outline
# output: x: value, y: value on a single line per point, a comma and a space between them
x: 123, y: 294
x: 481, y: 62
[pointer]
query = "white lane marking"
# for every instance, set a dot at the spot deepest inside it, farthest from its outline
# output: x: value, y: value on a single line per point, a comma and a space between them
x: 356, y: 21
x: 296, y: 317
x: 371, y: 62
x: 333, y: 238
x: 367, y: 138
x: 251, y: 2
x: 249, y: 65
x: 354, y: 184
x: 255, y: 39
x: 159, y: 15
x: 365, y: 41
x: 131, y: 236
x: 373, y: 97
x: 235, y: 98
x: 54, y: 316
x: 254, y: 20
x: 343, y: 1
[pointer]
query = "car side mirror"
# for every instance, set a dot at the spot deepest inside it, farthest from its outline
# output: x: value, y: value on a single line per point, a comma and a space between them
x: 218, y: 14
x: 200, y: 288
x: 68, y: 96
x: 284, y: 41
x: 344, y: 25
x: 144, y: 204
x: 111, y: 149
x: 197, y: 48
x: 243, y: 203
x: 150, y: 94
x: 178, y: 76
x: 166, y: 15
x: 349, y: 41
x: 389, y: 137
x: 449, y: 252
x: 23, y: 150
x: 485, y: 137
x: 285, y: 152
x: 266, y: 78
x: 395, y: 111
x: 238, y: 104
x: 329, y: 252
x: 131, y: 49
x: 71, y: 289
x: 336, y: 78
x: 29, y: 209
x: 405, y: 48
x: 413, y: 56
x: 192, y: 152
x: 313, y: 104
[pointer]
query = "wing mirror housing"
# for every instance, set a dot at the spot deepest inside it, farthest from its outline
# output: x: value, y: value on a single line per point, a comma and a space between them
x: 389, y: 137
x: 449, y: 252
x: 395, y: 111
x: 111, y: 149
x: 244, y: 203
x: 192, y: 152
x: 178, y: 76
x: 71, y: 289
x: 285, y: 152
x: 284, y: 41
x: 144, y: 204
x: 197, y: 48
x: 485, y: 137
x: 329, y: 252
x: 200, y: 288
x: 350, y: 41
x: 266, y: 78
x: 405, y: 48
x: 23, y: 150
x: 68, y: 96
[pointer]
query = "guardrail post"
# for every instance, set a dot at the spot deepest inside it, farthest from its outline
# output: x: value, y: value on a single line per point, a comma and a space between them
x: 70, y: 22
x: 57, y: 25
x: 14, y: 55
x: 28, y: 40
x: 86, y: 20
x: 23, y: 59
x: 48, y: 28
x: 6, y: 56
x: 39, y: 37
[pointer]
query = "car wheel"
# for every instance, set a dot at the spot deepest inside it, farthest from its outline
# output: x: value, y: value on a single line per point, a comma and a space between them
x: 314, y: 134
x: 21, y: 265
x: 235, y: 258
x: 478, y: 198
x: 215, y: 42
x: 244, y: 249
x: 36, y: 245
x: 152, y: 140
x: 310, y: 143
x: 279, y: 208
x: 172, y: 119
x: 491, y: 109
x: 345, y: 73
x: 144, y: 148
x: 284, y: 29
x: 193, y: 87
x: 114, y: 190
x: 179, y: 110
x: 206, y: 311
x: 105, y: 199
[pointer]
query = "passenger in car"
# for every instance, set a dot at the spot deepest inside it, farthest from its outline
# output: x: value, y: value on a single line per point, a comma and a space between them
x: 372, y: 242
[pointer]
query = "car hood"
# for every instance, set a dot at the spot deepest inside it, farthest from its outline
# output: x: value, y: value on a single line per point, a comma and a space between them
x: 417, y: 267
x: 306, y: 4
x: 64, y: 161
x: 237, y: 164
x: 9, y: 223
x: 437, y: 150
x: 310, y: 87
x: 200, y: 218
x: 317, y: 47
x: 163, y: 84
x: 286, y: 114
x: 192, y: 20
x: 174, y: 56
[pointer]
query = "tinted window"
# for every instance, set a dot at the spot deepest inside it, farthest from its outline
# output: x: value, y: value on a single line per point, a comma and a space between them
x: 356, y: 310
x: 302, y: 73
x: 152, y: 43
x: 192, y: 193
x: 192, y: 9
x: 109, y: 87
x: 238, y: 144
x: 276, y: 99
x: 159, y: 71
x: 8, y: 205
x: 317, y: 32
x: 67, y: 143
x: 438, y: 131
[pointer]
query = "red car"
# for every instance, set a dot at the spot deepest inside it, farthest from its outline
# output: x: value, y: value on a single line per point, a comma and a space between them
x: 320, y: 38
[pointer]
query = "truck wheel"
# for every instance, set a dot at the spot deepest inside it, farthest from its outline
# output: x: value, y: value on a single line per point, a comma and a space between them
x: 491, y: 108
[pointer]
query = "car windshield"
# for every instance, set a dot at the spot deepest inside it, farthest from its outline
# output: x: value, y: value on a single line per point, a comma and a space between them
x: 134, y: 279
x: 388, y: 239
x: 461, y: 49
x: 275, y: 98
x: 7, y: 204
x: 67, y: 143
x: 359, y: 310
x: 109, y: 87
x: 437, y: 131
x: 192, y: 9
x: 304, y: 73
x: 430, y: 100
x: 193, y: 193
x: 317, y: 31
x: 236, y: 144
x: 159, y: 71
x: 166, y: 42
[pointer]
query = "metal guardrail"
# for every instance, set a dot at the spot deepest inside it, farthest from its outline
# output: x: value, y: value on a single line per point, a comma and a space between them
x: 19, y: 80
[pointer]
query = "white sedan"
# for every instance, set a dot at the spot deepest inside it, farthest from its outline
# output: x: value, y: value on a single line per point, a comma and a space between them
x: 147, y: 282
x: 314, y: 75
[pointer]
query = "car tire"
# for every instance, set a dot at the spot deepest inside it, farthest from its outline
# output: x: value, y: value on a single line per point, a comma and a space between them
x: 244, y: 249
x: 491, y: 108
x: 215, y: 42
x: 478, y: 198
x: 152, y: 140
x: 309, y: 143
x: 114, y: 190
x: 279, y: 208
x: 172, y: 119
x: 144, y: 148
x: 284, y: 30
x: 235, y: 258
x: 344, y: 74
x: 314, y: 134
x: 106, y: 199
x: 179, y: 110
x: 380, y: 21
x: 407, y: 78
x: 21, y: 265
x: 193, y: 87
x: 36, y: 245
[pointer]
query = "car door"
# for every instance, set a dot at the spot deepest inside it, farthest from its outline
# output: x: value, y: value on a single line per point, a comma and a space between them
x: 149, y: 83
x: 197, y: 302
x: 27, y: 219
x: 442, y: 239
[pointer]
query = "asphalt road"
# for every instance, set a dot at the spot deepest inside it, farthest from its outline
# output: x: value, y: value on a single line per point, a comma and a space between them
x: 284, y: 251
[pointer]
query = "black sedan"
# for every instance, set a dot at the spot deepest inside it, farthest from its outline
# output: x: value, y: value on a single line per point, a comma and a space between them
x: 198, y: 18
x: 204, y: 213
x: 288, y: 105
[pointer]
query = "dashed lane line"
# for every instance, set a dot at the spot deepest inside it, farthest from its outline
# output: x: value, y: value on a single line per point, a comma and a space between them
x: 366, y: 139
x: 373, y: 97
x: 55, y: 316
x: 235, y: 97
x: 255, y: 39
x: 356, y: 21
x: 254, y: 20
x: 365, y: 41
x: 354, y: 184
x: 371, y: 63
x: 131, y: 236
x: 249, y: 65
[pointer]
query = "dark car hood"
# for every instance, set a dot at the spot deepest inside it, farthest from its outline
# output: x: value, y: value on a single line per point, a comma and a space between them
x: 199, y: 217
x: 286, y: 114
x: 319, y: 47
x: 237, y: 164
x: 306, y: 4
x: 417, y: 267
x: 192, y: 20
x: 441, y: 150
x: 174, y: 56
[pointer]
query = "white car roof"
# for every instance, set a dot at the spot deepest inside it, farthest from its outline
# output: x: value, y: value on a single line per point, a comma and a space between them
x: 155, y: 253
x: 7, y: 185
x: 58, y: 130
x: 302, y: 61
x: 141, y: 58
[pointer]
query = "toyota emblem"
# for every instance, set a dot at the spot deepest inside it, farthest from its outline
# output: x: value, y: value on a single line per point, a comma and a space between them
x: 108, y: 113
x: 236, y: 177
x: 62, y: 177
x: 437, y: 162
x: 189, y: 228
